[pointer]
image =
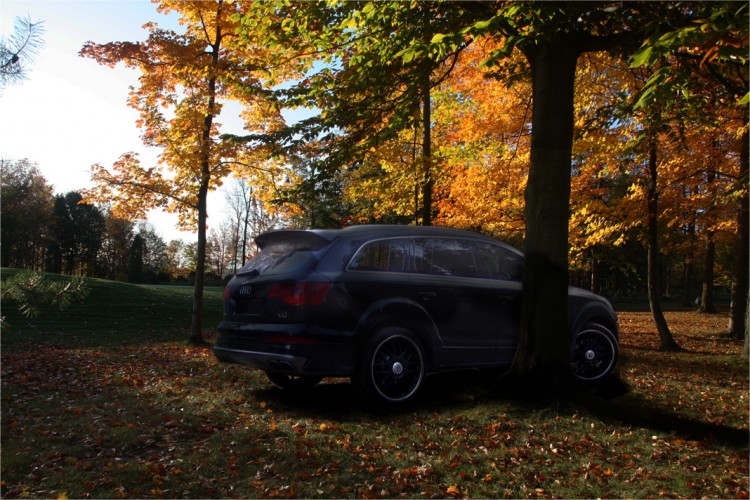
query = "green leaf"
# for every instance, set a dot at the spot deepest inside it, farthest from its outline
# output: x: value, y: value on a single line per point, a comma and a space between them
x: 438, y: 38
x: 643, y: 57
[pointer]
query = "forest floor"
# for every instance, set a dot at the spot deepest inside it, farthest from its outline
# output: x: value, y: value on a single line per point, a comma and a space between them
x: 104, y: 400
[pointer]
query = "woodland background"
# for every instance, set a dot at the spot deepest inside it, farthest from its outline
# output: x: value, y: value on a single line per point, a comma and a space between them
x: 658, y: 118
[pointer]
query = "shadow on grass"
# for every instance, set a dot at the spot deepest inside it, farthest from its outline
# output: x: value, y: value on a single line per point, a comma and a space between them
x: 635, y: 411
x: 336, y: 400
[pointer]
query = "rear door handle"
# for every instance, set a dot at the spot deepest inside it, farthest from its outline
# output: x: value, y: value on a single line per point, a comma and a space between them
x: 427, y: 295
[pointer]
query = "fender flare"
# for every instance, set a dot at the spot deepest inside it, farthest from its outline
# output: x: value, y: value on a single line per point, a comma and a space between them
x: 598, y: 313
x: 400, y: 312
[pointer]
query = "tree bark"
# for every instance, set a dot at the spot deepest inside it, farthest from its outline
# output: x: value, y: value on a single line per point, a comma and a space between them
x: 543, y: 355
x: 665, y: 336
x: 427, y: 182
x: 196, y: 325
x: 738, y: 325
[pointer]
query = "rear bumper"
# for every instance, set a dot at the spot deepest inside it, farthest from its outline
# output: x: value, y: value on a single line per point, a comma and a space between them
x: 266, y: 361
x: 286, y: 348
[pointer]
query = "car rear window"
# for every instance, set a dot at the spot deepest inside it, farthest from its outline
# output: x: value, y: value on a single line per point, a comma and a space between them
x: 284, y: 252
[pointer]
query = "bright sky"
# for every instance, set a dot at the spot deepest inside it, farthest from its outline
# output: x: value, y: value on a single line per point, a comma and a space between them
x: 71, y: 112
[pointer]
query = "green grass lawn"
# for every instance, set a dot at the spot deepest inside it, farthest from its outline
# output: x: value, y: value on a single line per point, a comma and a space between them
x: 114, y: 313
x: 106, y: 400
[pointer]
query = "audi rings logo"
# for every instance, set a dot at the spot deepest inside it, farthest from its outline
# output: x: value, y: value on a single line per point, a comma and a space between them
x: 245, y: 289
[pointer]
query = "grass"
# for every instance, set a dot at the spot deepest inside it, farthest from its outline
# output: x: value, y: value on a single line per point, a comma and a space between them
x: 106, y: 400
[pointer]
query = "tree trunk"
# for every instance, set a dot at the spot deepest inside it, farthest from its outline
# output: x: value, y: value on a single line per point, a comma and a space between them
x: 596, y: 281
x: 196, y: 325
x: 738, y: 326
x: 665, y: 336
x: 707, y: 295
x: 543, y: 355
x: 747, y: 326
x: 687, y: 268
x: 427, y: 182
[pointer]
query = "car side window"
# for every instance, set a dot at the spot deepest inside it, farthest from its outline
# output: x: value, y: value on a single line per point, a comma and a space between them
x: 497, y: 262
x: 383, y: 255
x: 444, y: 256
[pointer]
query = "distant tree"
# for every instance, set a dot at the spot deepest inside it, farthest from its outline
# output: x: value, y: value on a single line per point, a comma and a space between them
x: 135, y: 260
x: 19, y: 49
x: 176, y: 259
x: 154, y: 254
x: 112, y: 262
x: 239, y: 199
x: 78, y: 228
x: 26, y: 200
x: 221, y: 240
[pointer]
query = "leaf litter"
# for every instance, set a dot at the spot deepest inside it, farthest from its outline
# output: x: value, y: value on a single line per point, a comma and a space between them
x: 165, y: 421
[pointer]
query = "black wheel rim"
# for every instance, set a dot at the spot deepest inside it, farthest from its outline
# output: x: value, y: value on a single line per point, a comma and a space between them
x: 397, y: 368
x: 593, y: 355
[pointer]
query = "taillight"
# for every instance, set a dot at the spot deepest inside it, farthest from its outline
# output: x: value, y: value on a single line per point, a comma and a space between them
x: 309, y: 293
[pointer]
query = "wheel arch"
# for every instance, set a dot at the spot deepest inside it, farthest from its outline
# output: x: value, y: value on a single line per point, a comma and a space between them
x: 403, y: 313
x: 595, y: 313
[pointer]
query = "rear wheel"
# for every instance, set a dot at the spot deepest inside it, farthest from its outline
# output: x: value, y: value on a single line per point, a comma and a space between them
x: 293, y: 382
x: 391, y: 368
x: 594, y: 353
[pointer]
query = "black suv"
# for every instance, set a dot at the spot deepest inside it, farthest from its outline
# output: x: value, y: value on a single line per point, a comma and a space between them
x: 386, y: 305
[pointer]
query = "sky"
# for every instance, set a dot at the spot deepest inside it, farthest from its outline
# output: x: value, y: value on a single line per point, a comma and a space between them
x: 71, y: 112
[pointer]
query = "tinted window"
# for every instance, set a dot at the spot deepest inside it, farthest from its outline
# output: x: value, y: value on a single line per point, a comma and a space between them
x: 497, y: 262
x: 444, y: 256
x: 278, y: 259
x: 383, y: 255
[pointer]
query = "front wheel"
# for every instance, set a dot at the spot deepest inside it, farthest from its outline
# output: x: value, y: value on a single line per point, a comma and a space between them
x: 594, y: 353
x: 391, y: 367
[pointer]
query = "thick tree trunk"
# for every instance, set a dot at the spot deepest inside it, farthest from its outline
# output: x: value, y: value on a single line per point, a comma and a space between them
x: 738, y: 325
x: 543, y: 355
x: 665, y: 336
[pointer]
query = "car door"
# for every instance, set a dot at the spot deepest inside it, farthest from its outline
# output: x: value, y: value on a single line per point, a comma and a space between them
x: 473, y: 312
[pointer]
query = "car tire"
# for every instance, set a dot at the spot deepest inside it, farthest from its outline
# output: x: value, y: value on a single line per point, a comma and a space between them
x: 293, y: 382
x: 594, y: 354
x: 391, y: 368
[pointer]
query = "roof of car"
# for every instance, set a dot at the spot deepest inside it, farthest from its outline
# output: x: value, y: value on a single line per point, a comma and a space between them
x: 385, y: 230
